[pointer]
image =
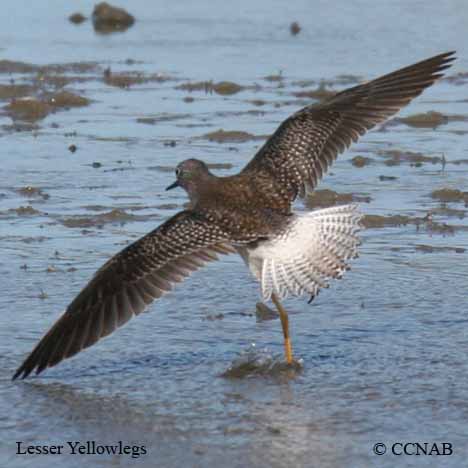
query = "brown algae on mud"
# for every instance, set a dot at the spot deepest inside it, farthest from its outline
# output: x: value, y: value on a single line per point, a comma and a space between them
x: 77, y: 18
x: 257, y: 102
x: 431, y: 119
x: 128, y: 79
x: 224, y: 88
x: 326, y: 197
x: 32, y: 192
x: 163, y: 117
x: 278, y: 77
x: 432, y: 249
x: 205, y: 86
x: 31, y: 109
x: 360, y: 161
x: 12, y: 91
x: 66, y: 99
x: 254, y: 362
x: 379, y: 221
x: 444, y: 210
x: 432, y: 227
x: 231, y: 136
x: 108, y: 18
x: 397, y: 157
x: 321, y: 93
x: 450, y: 195
x: 114, y: 216
x: 117, y: 216
x: 14, y: 66
x: 294, y: 28
x: 25, y: 211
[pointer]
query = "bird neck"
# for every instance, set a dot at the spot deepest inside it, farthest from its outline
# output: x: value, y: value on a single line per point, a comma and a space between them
x: 203, y: 189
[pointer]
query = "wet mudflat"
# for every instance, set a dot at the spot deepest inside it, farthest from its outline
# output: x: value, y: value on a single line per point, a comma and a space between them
x: 92, y: 126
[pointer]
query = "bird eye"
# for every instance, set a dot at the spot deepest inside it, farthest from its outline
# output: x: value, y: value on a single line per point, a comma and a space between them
x: 177, y: 172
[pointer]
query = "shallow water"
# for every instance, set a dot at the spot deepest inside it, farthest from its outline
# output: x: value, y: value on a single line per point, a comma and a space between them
x: 383, y: 351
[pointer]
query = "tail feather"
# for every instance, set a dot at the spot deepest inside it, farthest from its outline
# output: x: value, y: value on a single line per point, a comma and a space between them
x: 313, y: 250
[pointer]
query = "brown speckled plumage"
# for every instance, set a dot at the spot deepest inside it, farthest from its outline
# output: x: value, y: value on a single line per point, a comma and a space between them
x: 240, y: 212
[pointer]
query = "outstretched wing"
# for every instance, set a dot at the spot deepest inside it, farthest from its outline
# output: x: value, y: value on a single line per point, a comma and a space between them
x: 297, y: 155
x: 127, y: 283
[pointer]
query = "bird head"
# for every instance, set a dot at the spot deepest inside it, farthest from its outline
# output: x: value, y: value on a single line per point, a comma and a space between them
x: 191, y: 175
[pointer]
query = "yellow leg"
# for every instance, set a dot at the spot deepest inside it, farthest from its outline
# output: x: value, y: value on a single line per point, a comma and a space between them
x: 285, y: 324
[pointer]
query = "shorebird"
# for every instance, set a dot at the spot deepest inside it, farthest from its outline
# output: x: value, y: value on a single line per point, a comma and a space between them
x: 250, y: 213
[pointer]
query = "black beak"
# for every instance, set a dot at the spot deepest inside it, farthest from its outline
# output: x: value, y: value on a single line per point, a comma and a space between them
x: 174, y: 185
